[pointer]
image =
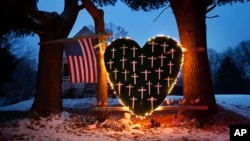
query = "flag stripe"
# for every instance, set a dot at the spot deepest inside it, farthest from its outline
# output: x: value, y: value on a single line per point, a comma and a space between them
x: 86, y: 61
x: 82, y: 61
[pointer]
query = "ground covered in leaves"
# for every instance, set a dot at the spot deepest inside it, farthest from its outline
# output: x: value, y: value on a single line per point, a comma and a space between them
x: 78, y: 125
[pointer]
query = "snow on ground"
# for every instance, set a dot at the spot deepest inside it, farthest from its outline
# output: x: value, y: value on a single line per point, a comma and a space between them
x: 237, y: 103
x: 66, y: 127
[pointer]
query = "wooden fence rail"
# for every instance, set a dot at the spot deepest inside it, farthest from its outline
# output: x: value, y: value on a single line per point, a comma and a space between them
x: 160, y: 108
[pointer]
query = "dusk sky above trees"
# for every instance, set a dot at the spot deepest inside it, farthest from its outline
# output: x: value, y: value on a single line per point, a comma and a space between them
x: 224, y: 27
x: 231, y: 27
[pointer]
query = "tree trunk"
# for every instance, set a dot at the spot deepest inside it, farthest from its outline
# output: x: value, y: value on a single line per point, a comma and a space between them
x: 197, y: 83
x: 48, y: 95
x: 102, y: 84
x: 51, y: 26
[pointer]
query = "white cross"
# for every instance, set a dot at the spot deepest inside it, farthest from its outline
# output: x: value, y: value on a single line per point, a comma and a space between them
x: 142, y: 57
x: 125, y: 72
x: 134, y: 63
x: 158, y: 86
x: 146, y: 72
x: 115, y: 71
x: 113, y: 52
x: 170, y: 67
x: 123, y: 49
x: 134, y: 49
x: 159, y: 71
x: 152, y: 99
x: 134, y: 76
x: 164, y: 45
x: 110, y: 64
x: 172, y: 52
x: 168, y: 80
x: 129, y: 88
x: 119, y: 87
x: 123, y: 61
x: 162, y: 57
x: 133, y: 101
x: 152, y: 58
x: 149, y: 87
x: 142, y: 90
x: 153, y: 46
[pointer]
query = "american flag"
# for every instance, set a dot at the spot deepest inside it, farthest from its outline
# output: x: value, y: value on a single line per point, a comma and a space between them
x: 82, y: 60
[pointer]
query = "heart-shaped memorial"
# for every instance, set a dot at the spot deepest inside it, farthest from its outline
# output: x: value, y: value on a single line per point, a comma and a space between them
x: 143, y: 77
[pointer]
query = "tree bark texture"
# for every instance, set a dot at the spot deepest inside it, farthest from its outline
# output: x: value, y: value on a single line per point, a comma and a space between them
x: 48, y: 95
x: 51, y: 26
x: 190, y: 16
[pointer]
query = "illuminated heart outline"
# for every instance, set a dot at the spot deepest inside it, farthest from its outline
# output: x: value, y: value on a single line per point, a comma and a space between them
x: 143, y: 77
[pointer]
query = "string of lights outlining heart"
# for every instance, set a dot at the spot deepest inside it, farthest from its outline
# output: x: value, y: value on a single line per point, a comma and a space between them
x: 143, y: 77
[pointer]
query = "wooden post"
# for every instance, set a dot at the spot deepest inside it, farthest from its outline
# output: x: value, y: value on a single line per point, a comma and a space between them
x: 102, y: 96
x: 102, y: 84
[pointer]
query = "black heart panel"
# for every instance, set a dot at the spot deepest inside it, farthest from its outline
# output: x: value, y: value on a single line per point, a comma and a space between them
x: 143, y: 77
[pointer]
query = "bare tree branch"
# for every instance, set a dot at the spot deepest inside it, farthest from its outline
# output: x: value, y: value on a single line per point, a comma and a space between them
x: 211, y: 8
x: 215, y: 16
x: 161, y: 13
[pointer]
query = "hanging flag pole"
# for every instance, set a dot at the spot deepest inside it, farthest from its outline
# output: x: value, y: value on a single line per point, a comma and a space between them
x: 75, y: 38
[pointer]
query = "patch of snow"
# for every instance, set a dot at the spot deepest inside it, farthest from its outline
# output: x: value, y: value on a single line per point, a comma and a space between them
x: 20, y: 106
x: 66, y: 127
x: 63, y: 128
x: 237, y: 103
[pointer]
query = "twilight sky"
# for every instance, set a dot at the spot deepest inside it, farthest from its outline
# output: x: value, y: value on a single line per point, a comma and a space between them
x: 231, y: 27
